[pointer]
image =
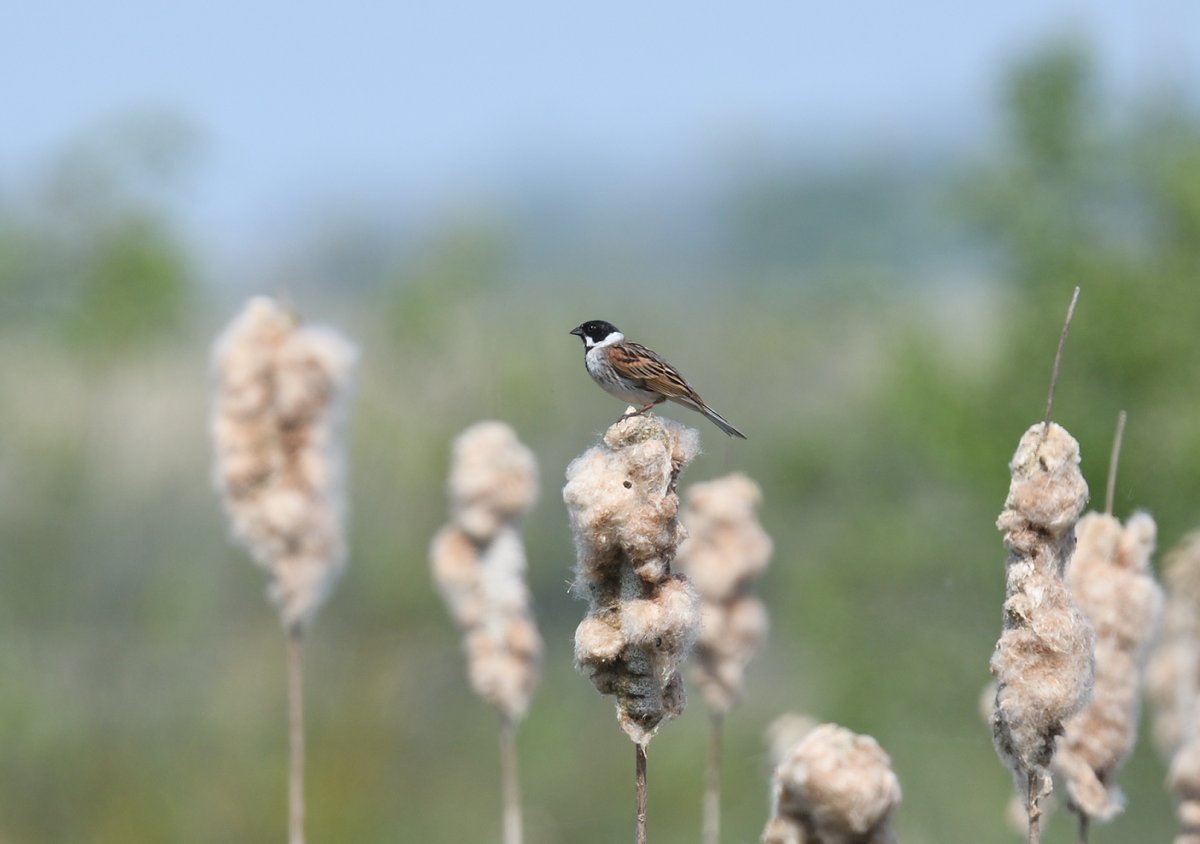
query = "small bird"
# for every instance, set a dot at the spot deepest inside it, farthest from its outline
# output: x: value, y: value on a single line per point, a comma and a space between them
x: 637, y: 375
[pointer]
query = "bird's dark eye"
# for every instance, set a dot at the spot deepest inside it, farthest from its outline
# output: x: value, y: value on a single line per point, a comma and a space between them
x: 629, y: 485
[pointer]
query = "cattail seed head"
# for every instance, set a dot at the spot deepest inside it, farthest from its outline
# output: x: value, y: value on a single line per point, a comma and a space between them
x: 725, y: 551
x: 1173, y: 674
x: 478, y: 564
x: 278, y: 407
x: 1043, y: 660
x: 1111, y: 582
x: 833, y: 787
x: 1173, y: 683
x: 642, y: 618
x: 493, y: 479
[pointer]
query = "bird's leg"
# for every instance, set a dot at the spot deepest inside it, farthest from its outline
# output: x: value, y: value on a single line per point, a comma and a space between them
x: 639, y: 411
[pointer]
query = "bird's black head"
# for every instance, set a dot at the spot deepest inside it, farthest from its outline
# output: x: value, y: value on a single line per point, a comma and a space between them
x: 594, y: 331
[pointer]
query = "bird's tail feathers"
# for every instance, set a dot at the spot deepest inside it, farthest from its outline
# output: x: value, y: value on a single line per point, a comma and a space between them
x: 720, y: 422
x: 717, y: 419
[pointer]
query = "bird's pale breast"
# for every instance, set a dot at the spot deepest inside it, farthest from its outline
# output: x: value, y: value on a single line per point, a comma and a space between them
x: 603, y: 374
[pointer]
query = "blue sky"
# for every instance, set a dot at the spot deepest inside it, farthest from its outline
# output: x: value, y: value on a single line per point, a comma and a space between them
x: 431, y: 101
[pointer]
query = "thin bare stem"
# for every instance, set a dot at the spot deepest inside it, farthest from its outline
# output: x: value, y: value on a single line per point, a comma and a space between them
x: 1083, y: 828
x: 1111, y: 487
x: 1031, y: 806
x: 712, y: 782
x: 1062, y: 341
x: 640, y: 781
x: 295, y: 662
x: 510, y: 785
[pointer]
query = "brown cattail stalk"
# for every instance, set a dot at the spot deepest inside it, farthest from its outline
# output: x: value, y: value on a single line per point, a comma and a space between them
x: 725, y: 551
x: 833, y: 787
x: 478, y: 564
x: 1062, y: 342
x: 639, y: 781
x: 277, y: 411
x: 1110, y: 488
x: 295, y: 739
x: 711, y: 825
x: 510, y: 783
x: 642, y: 618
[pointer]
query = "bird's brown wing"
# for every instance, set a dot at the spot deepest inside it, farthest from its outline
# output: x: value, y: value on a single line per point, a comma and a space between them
x: 650, y: 372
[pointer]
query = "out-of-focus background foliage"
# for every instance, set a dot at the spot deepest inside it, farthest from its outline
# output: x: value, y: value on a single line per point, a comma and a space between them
x: 880, y: 322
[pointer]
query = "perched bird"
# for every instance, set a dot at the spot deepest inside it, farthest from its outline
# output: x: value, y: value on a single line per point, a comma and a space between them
x: 637, y: 375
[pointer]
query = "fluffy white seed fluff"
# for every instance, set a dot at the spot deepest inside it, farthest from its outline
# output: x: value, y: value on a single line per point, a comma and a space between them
x: 478, y: 564
x: 1112, y: 583
x: 726, y: 550
x: 278, y: 407
x: 1043, y: 660
x: 1173, y: 684
x: 642, y: 618
x: 1174, y: 670
x: 833, y: 787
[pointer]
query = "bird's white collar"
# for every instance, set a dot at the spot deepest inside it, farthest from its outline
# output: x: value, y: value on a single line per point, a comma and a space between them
x: 612, y: 338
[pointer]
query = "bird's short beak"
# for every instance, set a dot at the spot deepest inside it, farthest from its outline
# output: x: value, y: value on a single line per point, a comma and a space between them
x: 578, y: 332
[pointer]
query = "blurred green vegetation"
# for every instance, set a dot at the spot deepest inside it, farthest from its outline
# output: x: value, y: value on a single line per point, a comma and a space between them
x: 90, y: 252
x: 143, y: 693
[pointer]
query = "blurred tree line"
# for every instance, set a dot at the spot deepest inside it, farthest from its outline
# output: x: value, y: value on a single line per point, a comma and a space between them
x: 90, y: 249
x: 1109, y: 202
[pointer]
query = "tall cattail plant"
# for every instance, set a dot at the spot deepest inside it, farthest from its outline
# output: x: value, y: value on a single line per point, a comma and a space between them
x: 833, y: 787
x: 1043, y: 660
x: 642, y: 618
x: 726, y: 550
x: 1173, y: 683
x: 1173, y: 673
x: 1111, y: 581
x: 278, y: 405
x: 478, y: 564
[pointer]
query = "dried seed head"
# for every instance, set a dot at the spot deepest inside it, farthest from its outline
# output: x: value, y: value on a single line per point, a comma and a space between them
x: 1173, y: 678
x: 1043, y: 660
x: 834, y: 787
x: 1111, y: 581
x: 276, y: 421
x: 1172, y: 674
x: 493, y: 479
x: 478, y: 564
x: 642, y: 618
x: 725, y: 551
